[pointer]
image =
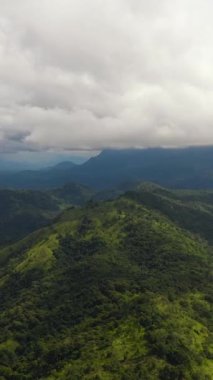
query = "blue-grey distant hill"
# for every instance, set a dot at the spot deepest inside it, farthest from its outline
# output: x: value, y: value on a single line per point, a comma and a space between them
x: 181, y: 168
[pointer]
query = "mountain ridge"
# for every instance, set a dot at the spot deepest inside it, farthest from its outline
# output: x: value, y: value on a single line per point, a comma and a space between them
x: 113, y: 290
x: 176, y: 168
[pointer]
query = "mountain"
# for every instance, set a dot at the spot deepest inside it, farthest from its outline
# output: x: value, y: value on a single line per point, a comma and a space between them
x: 46, y: 178
x: 182, y: 168
x: 65, y: 165
x: 177, y: 168
x: 24, y: 211
x: 73, y: 194
x: 190, y: 209
x: 113, y: 290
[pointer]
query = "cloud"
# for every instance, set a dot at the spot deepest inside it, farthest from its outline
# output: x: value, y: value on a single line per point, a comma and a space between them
x: 79, y: 75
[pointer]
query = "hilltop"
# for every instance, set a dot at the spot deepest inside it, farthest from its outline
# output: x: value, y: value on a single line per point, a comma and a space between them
x: 112, y: 290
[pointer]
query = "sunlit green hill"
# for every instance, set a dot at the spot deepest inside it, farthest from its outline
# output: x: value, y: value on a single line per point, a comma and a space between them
x: 113, y: 290
x: 190, y: 209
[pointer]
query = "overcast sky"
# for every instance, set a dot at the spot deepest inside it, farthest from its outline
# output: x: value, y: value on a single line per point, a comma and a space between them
x: 86, y: 75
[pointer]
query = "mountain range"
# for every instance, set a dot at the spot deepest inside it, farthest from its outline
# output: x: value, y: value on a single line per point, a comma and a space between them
x: 24, y: 211
x: 106, y: 268
x: 176, y: 168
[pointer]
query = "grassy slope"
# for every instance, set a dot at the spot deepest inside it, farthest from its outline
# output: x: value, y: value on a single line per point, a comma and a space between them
x: 112, y: 291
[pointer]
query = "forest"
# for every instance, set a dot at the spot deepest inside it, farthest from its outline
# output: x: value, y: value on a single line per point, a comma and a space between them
x: 115, y: 289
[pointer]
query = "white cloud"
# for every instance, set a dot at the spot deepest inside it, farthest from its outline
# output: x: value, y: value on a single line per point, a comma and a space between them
x: 116, y: 73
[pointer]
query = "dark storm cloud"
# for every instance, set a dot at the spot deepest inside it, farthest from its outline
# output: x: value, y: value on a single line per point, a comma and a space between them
x: 87, y: 75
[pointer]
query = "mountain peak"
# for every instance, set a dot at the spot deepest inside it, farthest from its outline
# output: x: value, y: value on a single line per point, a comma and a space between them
x: 64, y: 165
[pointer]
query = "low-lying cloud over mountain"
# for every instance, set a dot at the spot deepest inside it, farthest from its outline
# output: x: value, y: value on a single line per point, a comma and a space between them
x: 87, y: 75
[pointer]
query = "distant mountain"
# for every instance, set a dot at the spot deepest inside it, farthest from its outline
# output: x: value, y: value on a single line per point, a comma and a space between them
x: 182, y: 168
x: 178, y: 168
x: 45, y: 178
x: 113, y: 290
x: 24, y: 211
x: 65, y: 165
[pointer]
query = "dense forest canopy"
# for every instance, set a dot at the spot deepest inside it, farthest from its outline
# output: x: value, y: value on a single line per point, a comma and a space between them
x: 116, y: 289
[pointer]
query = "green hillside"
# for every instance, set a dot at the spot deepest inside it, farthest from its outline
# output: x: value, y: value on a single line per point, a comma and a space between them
x: 73, y: 193
x: 24, y: 211
x: 113, y: 290
x: 190, y: 209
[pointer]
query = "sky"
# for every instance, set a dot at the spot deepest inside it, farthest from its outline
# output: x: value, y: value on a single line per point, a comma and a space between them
x: 81, y: 76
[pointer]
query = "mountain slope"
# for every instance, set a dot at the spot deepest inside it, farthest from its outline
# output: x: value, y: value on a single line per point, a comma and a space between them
x: 73, y: 193
x: 182, y: 168
x: 24, y: 211
x: 190, y: 209
x: 111, y: 291
x: 179, y: 168
x: 51, y: 177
